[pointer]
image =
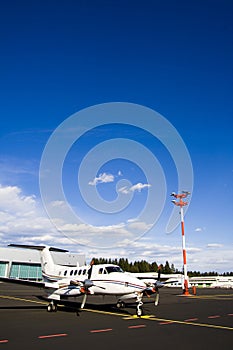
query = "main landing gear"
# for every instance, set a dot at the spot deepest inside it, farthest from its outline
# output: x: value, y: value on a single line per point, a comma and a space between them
x: 52, y: 307
x: 120, y: 304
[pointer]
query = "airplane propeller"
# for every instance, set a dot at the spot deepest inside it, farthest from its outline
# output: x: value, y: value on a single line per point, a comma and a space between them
x: 158, y: 285
x: 85, y: 290
x: 157, y: 297
x: 84, y: 300
x: 86, y: 284
x: 154, y: 287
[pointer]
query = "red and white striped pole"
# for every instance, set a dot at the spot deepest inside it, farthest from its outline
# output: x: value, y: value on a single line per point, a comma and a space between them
x: 181, y: 204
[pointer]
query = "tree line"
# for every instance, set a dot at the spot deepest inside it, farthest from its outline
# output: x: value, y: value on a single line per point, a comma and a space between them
x: 145, y: 266
x: 137, y: 266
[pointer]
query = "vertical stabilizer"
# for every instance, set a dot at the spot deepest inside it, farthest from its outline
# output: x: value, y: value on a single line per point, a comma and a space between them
x: 49, y: 269
x: 47, y: 264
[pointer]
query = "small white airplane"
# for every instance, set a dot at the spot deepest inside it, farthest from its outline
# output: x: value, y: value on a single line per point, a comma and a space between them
x: 61, y: 281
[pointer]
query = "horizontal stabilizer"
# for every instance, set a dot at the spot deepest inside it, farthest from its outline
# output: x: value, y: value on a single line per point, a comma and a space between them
x: 37, y: 247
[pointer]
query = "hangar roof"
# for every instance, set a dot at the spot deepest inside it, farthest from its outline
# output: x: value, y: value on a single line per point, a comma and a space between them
x: 33, y: 256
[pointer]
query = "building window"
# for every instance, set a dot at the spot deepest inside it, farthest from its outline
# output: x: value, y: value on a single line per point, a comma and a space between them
x: 26, y: 271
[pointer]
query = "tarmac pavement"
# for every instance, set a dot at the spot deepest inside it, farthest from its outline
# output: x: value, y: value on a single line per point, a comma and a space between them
x: 179, y: 322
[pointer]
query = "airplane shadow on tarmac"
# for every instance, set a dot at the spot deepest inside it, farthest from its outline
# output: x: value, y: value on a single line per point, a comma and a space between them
x: 75, y: 306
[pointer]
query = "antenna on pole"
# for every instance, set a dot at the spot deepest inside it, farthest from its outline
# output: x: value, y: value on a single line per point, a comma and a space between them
x: 180, y: 203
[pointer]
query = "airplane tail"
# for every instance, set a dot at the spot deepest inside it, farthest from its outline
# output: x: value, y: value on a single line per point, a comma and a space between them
x: 49, y: 270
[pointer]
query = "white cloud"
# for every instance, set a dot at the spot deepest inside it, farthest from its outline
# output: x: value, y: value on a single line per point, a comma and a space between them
x: 22, y: 220
x: 132, y: 220
x: 124, y: 190
x: 218, y: 258
x: 138, y: 187
x: 140, y: 226
x: 21, y: 215
x: 214, y: 245
x: 60, y: 204
x: 13, y: 200
x: 198, y: 229
x: 102, y: 178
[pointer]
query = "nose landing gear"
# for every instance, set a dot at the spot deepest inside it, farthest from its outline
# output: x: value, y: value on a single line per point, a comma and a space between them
x: 139, y: 305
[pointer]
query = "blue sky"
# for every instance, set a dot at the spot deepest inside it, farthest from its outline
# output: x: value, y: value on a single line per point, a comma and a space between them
x: 60, y: 57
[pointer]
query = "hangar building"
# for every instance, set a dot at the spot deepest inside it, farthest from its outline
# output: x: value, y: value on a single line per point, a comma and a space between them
x: 25, y: 263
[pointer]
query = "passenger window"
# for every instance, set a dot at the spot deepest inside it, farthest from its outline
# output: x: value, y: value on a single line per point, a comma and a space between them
x: 65, y: 273
x: 71, y: 272
x: 75, y: 272
x: 79, y: 272
x: 100, y: 271
x: 84, y: 272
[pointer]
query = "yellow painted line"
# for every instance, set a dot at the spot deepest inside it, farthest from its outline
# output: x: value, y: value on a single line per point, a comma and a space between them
x: 213, y: 297
x: 128, y: 317
x: 207, y: 296
x: 131, y: 317
x: 105, y: 312
x: 22, y: 299
x: 216, y: 295
x: 125, y: 316
x: 153, y: 318
x: 191, y: 323
x: 135, y: 316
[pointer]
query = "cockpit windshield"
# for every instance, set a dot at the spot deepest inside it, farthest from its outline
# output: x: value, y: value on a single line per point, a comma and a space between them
x: 113, y: 269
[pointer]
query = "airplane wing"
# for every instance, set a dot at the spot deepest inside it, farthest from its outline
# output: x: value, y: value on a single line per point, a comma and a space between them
x: 56, y: 290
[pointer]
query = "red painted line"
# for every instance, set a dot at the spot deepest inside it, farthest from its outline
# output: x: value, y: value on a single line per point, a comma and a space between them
x: 191, y: 319
x: 215, y: 316
x: 4, y: 341
x: 101, y: 330
x: 168, y: 322
x: 52, y: 335
x: 138, y: 326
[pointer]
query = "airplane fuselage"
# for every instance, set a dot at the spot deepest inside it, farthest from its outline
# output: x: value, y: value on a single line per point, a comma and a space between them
x: 107, y: 279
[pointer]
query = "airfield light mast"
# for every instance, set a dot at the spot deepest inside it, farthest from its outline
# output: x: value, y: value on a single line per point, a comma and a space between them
x: 181, y: 204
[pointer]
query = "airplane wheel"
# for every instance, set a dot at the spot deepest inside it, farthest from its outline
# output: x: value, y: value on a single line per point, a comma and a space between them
x: 49, y: 308
x: 120, y: 305
x: 54, y: 307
